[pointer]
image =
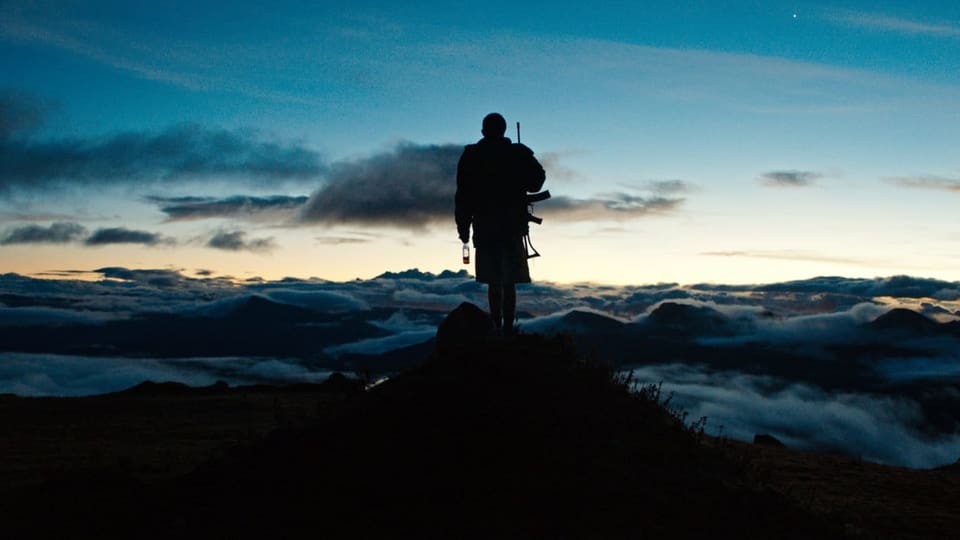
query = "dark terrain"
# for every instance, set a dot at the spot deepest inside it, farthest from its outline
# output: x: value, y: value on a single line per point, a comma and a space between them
x: 504, y: 438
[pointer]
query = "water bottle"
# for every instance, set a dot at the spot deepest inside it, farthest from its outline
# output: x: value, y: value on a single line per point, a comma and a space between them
x: 466, y: 254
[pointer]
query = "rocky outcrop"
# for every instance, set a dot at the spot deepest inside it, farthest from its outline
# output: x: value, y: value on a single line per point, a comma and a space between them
x: 465, y: 327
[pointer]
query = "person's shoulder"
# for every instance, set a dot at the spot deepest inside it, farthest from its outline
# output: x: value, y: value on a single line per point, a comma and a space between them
x: 472, y: 148
x: 469, y: 151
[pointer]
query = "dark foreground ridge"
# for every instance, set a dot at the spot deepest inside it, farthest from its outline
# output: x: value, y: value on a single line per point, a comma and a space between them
x: 490, y: 438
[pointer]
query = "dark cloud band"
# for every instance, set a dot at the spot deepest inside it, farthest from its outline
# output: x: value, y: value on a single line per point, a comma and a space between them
x: 56, y: 233
x: 937, y: 183
x: 120, y: 235
x: 410, y: 187
x: 186, y: 152
x: 65, y: 233
x: 237, y: 207
x: 237, y: 241
x: 790, y: 178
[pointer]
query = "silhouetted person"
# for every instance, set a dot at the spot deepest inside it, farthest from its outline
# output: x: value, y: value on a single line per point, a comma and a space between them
x: 493, y: 178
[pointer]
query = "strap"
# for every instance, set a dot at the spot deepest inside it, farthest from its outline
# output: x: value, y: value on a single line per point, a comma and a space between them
x: 528, y: 247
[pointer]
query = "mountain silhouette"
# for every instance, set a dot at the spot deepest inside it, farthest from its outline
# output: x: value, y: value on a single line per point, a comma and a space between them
x: 586, y: 320
x: 416, y: 273
x: 688, y: 320
x: 906, y: 321
x: 579, y: 321
x: 261, y: 309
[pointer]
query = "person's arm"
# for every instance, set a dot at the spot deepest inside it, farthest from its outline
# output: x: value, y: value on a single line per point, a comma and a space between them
x: 463, y: 200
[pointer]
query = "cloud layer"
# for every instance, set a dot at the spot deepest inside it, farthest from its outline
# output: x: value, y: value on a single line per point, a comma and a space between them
x: 810, y: 361
x: 186, y: 152
x: 874, y: 427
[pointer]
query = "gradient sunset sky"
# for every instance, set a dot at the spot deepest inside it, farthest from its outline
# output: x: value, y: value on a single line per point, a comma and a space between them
x: 698, y: 141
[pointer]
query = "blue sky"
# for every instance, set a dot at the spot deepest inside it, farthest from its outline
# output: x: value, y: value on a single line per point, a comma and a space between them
x: 695, y: 141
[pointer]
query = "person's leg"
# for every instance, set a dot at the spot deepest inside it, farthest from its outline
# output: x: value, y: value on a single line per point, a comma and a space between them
x: 509, y: 307
x: 495, y: 297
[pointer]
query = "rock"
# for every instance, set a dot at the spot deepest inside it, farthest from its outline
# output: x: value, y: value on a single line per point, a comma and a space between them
x: 762, y: 439
x: 465, y: 326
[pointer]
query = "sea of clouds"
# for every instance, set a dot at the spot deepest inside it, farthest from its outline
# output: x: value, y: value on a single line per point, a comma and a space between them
x: 813, y: 316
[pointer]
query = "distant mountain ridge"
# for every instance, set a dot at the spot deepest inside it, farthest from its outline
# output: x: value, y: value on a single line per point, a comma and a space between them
x: 415, y: 273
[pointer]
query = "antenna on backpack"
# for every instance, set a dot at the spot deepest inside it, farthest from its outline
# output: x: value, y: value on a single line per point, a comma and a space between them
x: 518, y: 132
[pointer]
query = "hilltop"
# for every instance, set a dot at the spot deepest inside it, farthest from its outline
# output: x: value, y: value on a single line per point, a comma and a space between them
x: 488, y: 437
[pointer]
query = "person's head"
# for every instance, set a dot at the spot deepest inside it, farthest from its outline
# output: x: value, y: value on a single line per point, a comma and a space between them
x: 494, y: 126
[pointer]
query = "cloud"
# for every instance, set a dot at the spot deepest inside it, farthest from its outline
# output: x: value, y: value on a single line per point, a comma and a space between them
x: 809, y: 331
x: 556, y: 170
x: 384, y: 344
x: 120, y: 235
x: 182, y: 153
x: 236, y: 207
x: 63, y: 233
x: 670, y: 187
x: 664, y: 187
x: 158, y: 57
x: 894, y: 286
x: 26, y: 374
x: 410, y: 297
x: 899, y: 25
x: 790, y: 178
x: 938, y: 183
x: 414, y: 185
x: 318, y: 300
x: 283, y: 371
x: 797, y: 255
x: 56, y: 233
x: 20, y: 113
x: 614, y: 206
x: 48, y: 316
x: 55, y: 375
x: 38, y: 216
x: 798, y: 363
x: 409, y: 186
x: 877, y: 428
x: 340, y: 240
x: 236, y: 241
x: 152, y: 276
x: 927, y: 368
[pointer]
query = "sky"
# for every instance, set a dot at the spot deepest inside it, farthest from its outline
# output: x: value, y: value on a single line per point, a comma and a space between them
x: 687, y: 142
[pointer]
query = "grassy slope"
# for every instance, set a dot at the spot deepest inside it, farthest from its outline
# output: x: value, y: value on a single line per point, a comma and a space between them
x: 509, y: 439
